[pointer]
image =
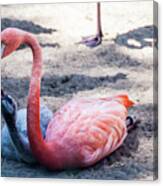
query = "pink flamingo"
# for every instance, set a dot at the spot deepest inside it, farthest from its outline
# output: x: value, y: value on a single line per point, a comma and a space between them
x: 82, y: 132
x: 93, y: 41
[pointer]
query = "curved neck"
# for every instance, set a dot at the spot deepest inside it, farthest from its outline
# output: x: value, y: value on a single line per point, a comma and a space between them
x: 37, y: 144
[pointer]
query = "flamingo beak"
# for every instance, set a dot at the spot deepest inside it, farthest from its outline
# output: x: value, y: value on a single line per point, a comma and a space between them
x: 2, y: 49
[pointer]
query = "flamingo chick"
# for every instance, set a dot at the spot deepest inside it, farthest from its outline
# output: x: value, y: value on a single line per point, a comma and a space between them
x: 14, y: 140
x: 82, y: 132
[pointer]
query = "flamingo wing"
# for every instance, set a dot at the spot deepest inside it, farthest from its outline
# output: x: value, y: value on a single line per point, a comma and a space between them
x: 89, y: 128
x: 104, y: 136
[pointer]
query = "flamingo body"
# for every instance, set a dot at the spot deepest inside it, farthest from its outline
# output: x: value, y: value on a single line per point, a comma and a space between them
x: 86, y: 130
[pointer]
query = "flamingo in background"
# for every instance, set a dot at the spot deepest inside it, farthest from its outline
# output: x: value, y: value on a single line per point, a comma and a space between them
x: 14, y: 140
x: 93, y: 41
x: 82, y: 132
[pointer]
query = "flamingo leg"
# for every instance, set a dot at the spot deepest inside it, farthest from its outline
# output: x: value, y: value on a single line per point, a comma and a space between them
x: 93, y: 41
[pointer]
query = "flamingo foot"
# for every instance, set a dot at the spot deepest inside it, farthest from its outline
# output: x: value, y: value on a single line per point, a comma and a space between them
x: 91, y: 41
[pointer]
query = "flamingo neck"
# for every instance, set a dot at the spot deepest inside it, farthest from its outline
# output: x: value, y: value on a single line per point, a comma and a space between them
x: 38, y: 146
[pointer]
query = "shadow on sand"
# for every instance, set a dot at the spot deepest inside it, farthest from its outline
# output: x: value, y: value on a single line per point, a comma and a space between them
x: 31, y: 27
x: 60, y: 85
x: 139, y: 38
x: 28, y: 26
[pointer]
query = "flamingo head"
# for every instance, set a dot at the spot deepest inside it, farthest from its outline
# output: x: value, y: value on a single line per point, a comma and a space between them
x: 11, y: 39
x: 9, y: 109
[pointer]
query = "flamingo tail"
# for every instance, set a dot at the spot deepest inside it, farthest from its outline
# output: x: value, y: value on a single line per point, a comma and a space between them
x: 125, y: 100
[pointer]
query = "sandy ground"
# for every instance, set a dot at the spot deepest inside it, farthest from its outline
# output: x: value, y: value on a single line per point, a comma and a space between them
x: 124, y: 62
